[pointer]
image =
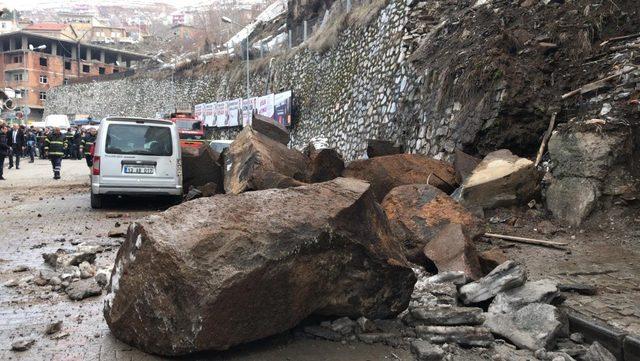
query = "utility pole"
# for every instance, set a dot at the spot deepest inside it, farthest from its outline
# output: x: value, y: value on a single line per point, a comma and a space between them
x: 229, y: 21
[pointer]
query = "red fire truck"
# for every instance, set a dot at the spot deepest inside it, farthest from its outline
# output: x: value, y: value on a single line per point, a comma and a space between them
x: 190, y: 129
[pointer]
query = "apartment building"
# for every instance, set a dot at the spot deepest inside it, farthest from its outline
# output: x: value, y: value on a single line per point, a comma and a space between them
x: 32, y: 63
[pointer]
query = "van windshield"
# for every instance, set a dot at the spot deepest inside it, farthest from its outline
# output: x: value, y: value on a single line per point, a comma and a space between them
x: 139, y: 139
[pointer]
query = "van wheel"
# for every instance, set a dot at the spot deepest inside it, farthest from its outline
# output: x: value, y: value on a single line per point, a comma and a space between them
x: 96, y: 201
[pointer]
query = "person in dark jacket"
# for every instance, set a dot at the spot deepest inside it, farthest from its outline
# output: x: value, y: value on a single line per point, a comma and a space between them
x: 4, y: 147
x: 16, y: 142
x: 87, y: 142
x: 30, y: 138
x: 55, y: 147
x: 77, y: 139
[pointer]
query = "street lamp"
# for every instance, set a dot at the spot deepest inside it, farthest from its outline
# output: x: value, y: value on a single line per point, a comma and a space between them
x: 229, y: 21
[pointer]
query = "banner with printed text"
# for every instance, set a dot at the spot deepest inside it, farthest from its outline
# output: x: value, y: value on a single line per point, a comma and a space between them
x: 265, y: 105
x: 198, y: 112
x: 282, y: 108
x: 233, y: 112
x: 221, y: 114
x: 248, y: 106
x: 209, y: 114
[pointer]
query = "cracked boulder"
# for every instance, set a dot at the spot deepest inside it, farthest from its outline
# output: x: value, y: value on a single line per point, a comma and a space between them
x: 255, y: 161
x: 324, y: 164
x: 420, y: 213
x: 387, y: 172
x: 254, y: 265
x: 542, y: 291
x: 501, y: 179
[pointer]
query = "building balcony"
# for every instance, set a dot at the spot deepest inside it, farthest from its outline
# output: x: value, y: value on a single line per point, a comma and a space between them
x: 14, y: 66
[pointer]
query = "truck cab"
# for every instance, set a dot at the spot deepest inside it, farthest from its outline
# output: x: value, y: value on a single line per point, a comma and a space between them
x: 190, y: 129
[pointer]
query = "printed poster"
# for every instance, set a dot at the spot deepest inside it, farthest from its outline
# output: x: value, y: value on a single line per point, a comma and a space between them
x: 221, y: 114
x: 198, y: 112
x: 233, y: 112
x: 209, y: 112
x: 265, y: 105
x: 248, y: 105
x: 282, y: 108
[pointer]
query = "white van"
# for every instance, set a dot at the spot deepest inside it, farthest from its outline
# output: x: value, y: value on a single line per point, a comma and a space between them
x: 57, y: 121
x: 136, y: 156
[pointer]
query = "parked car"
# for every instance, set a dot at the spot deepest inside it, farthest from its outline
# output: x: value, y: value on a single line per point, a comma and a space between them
x: 220, y: 144
x: 136, y: 156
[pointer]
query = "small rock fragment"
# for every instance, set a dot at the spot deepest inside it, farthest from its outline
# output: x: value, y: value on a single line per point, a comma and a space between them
x: 322, y: 332
x: 81, y: 289
x: 53, y: 327
x: 597, y: 352
x: 22, y: 345
x: 462, y: 335
x: 426, y: 351
x: 365, y: 325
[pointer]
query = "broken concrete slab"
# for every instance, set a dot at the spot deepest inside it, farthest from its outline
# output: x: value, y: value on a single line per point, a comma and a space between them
x: 509, y: 301
x: 447, y: 316
x: 419, y: 212
x: 379, y: 148
x: 270, y: 268
x: 268, y: 127
x: 571, y: 200
x: 254, y: 162
x: 81, y: 289
x: 453, y: 250
x: 201, y: 165
x: 504, y: 277
x: 533, y: 326
x: 470, y: 336
x: 501, y: 179
x: 387, y: 172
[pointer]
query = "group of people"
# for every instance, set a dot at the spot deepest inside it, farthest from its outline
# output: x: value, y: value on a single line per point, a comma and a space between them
x: 18, y: 141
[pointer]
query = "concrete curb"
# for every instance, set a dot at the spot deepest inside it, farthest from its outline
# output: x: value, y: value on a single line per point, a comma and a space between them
x: 623, y: 346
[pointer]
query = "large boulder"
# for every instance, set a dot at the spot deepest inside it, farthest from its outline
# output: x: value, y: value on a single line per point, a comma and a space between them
x: 572, y: 199
x: 464, y: 165
x: 501, y: 179
x: 453, y: 250
x: 254, y: 265
x: 419, y: 212
x: 379, y: 148
x: 200, y: 165
x: 324, y: 164
x: 387, y: 172
x: 255, y: 161
x: 270, y: 128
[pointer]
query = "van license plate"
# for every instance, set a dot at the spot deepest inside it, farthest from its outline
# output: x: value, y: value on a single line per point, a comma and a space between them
x: 134, y: 169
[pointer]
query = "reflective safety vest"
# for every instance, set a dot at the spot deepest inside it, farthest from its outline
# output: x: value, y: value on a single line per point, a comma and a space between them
x: 55, y: 144
x: 87, y: 142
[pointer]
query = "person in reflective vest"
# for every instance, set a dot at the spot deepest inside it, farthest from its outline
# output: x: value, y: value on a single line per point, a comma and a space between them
x: 86, y: 144
x: 55, y: 146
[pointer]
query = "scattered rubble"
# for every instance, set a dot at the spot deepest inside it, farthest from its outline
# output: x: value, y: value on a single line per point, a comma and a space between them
x: 598, y: 353
x: 426, y: 351
x: 504, y: 277
x: 509, y: 301
x: 81, y: 289
x: 501, y: 179
x: 340, y: 251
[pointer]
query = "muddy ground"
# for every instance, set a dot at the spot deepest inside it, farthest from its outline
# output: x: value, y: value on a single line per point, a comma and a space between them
x: 41, y: 215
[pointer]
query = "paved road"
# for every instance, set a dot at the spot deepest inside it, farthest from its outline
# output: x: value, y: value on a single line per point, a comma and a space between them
x: 41, y: 215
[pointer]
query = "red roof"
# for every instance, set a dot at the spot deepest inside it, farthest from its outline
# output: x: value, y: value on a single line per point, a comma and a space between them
x: 47, y: 26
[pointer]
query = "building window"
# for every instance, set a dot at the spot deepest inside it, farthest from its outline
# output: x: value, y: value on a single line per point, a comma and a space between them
x: 65, y: 81
x: 67, y: 65
x: 17, y: 77
x: 17, y: 59
x: 101, y: 70
x: 43, y: 95
x: 86, y: 68
x: 43, y: 61
x: 43, y: 79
